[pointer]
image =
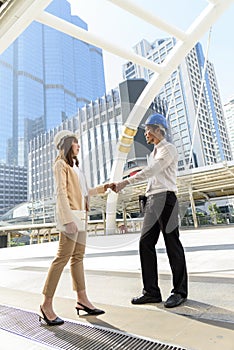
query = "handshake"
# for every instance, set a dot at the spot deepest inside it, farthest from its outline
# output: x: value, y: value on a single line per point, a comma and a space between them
x: 116, y: 186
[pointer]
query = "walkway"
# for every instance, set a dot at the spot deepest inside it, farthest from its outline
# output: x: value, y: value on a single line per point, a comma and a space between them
x: 204, y: 322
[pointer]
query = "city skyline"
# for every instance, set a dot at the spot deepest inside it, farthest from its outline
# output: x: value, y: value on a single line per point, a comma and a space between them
x: 132, y: 30
x: 45, y: 76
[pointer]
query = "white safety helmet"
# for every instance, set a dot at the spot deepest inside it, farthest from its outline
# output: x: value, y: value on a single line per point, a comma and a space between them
x: 61, y: 136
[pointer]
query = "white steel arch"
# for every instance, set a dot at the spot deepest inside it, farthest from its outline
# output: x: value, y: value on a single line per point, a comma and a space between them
x: 16, y: 17
x: 197, y: 29
x: 19, y: 14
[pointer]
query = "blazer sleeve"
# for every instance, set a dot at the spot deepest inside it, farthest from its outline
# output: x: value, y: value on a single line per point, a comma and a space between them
x: 63, y: 209
x: 96, y: 190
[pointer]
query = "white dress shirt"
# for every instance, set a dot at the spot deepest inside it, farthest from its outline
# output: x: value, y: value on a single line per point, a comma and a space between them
x: 82, y: 181
x: 83, y: 186
x: 161, y: 170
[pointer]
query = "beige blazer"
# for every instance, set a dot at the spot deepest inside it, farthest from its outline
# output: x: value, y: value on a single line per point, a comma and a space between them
x: 68, y: 191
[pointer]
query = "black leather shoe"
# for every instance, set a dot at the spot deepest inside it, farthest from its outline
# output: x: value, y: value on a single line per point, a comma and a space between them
x: 145, y: 299
x: 92, y: 312
x: 174, y: 300
x: 56, y: 322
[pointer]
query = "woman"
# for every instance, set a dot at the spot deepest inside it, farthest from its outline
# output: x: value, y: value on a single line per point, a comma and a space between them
x: 72, y: 193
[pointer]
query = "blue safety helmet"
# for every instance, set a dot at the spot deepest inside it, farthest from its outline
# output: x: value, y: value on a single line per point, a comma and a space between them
x: 157, y: 119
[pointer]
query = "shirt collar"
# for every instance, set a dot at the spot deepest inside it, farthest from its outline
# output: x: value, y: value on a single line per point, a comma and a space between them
x: 161, y: 143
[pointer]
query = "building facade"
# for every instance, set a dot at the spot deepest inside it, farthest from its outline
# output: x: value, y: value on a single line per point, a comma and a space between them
x: 195, y: 112
x: 13, y: 186
x: 45, y: 76
x: 229, y: 118
x: 99, y: 125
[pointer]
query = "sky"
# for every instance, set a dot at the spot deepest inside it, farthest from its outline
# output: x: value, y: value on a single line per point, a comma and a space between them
x: 113, y: 24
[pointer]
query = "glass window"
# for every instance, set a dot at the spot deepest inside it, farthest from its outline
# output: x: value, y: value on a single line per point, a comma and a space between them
x: 185, y: 140
x: 174, y: 122
x: 180, y: 113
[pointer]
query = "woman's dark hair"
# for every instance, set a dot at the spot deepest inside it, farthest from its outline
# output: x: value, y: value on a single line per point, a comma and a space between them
x: 67, y: 150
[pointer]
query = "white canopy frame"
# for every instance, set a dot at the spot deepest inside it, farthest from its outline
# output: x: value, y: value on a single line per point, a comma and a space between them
x: 19, y: 14
x: 198, y: 28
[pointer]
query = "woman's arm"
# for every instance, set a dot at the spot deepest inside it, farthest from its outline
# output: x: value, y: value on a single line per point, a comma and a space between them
x: 98, y: 190
x: 62, y: 203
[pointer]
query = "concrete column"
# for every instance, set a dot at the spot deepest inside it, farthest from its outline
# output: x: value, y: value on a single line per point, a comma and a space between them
x: 8, y: 239
x: 104, y: 221
x: 125, y: 217
x: 193, y: 207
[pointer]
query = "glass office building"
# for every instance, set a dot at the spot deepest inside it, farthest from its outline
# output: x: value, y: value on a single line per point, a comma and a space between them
x: 13, y: 186
x: 45, y: 76
x: 197, y: 121
x: 229, y: 118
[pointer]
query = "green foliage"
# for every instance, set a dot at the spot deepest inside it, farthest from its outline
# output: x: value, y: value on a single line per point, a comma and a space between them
x: 216, y: 216
x: 16, y: 244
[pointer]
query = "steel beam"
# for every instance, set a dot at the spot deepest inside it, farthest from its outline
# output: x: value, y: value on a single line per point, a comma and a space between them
x: 147, y: 16
x: 198, y: 28
x: 81, y: 34
x: 16, y: 17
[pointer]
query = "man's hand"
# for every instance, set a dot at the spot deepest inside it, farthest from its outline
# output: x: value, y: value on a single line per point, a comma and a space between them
x: 112, y: 186
x: 71, y: 228
x: 117, y: 186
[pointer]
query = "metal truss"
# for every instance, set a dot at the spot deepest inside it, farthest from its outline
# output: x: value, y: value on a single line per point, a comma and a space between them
x: 19, y: 14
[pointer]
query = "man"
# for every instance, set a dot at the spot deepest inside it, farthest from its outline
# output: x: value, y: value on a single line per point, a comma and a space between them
x: 161, y: 214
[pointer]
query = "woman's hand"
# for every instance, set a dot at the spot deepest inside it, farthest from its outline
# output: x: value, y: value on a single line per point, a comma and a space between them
x: 71, y: 228
x: 109, y: 185
x: 118, y: 186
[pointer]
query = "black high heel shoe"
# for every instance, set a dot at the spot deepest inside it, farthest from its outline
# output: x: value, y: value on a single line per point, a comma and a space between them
x: 56, y: 322
x: 93, y: 312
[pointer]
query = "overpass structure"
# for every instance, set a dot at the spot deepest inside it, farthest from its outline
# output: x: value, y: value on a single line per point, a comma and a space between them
x: 196, y: 184
x: 33, y: 231
x: 17, y: 15
x: 203, y: 183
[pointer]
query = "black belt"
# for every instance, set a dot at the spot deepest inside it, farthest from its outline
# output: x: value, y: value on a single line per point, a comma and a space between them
x: 158, y: 194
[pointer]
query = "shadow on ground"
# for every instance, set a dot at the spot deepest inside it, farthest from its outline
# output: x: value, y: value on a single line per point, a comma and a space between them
x: 203, y: 312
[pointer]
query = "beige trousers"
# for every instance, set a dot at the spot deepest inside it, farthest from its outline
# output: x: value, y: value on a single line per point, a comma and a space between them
x: 71, y: 246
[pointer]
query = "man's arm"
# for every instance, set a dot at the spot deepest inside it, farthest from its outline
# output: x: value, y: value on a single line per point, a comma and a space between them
x: 167, y: 156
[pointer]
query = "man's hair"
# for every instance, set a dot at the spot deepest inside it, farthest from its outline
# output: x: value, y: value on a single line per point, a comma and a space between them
x: 155, y: 127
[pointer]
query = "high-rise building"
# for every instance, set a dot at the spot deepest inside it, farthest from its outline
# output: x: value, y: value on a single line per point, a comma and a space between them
x: 229, y: 118
x: 195, y: 112
x: 45, y: 76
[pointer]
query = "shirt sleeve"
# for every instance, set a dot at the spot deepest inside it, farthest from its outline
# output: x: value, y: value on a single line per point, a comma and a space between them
x: 164, y: 158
